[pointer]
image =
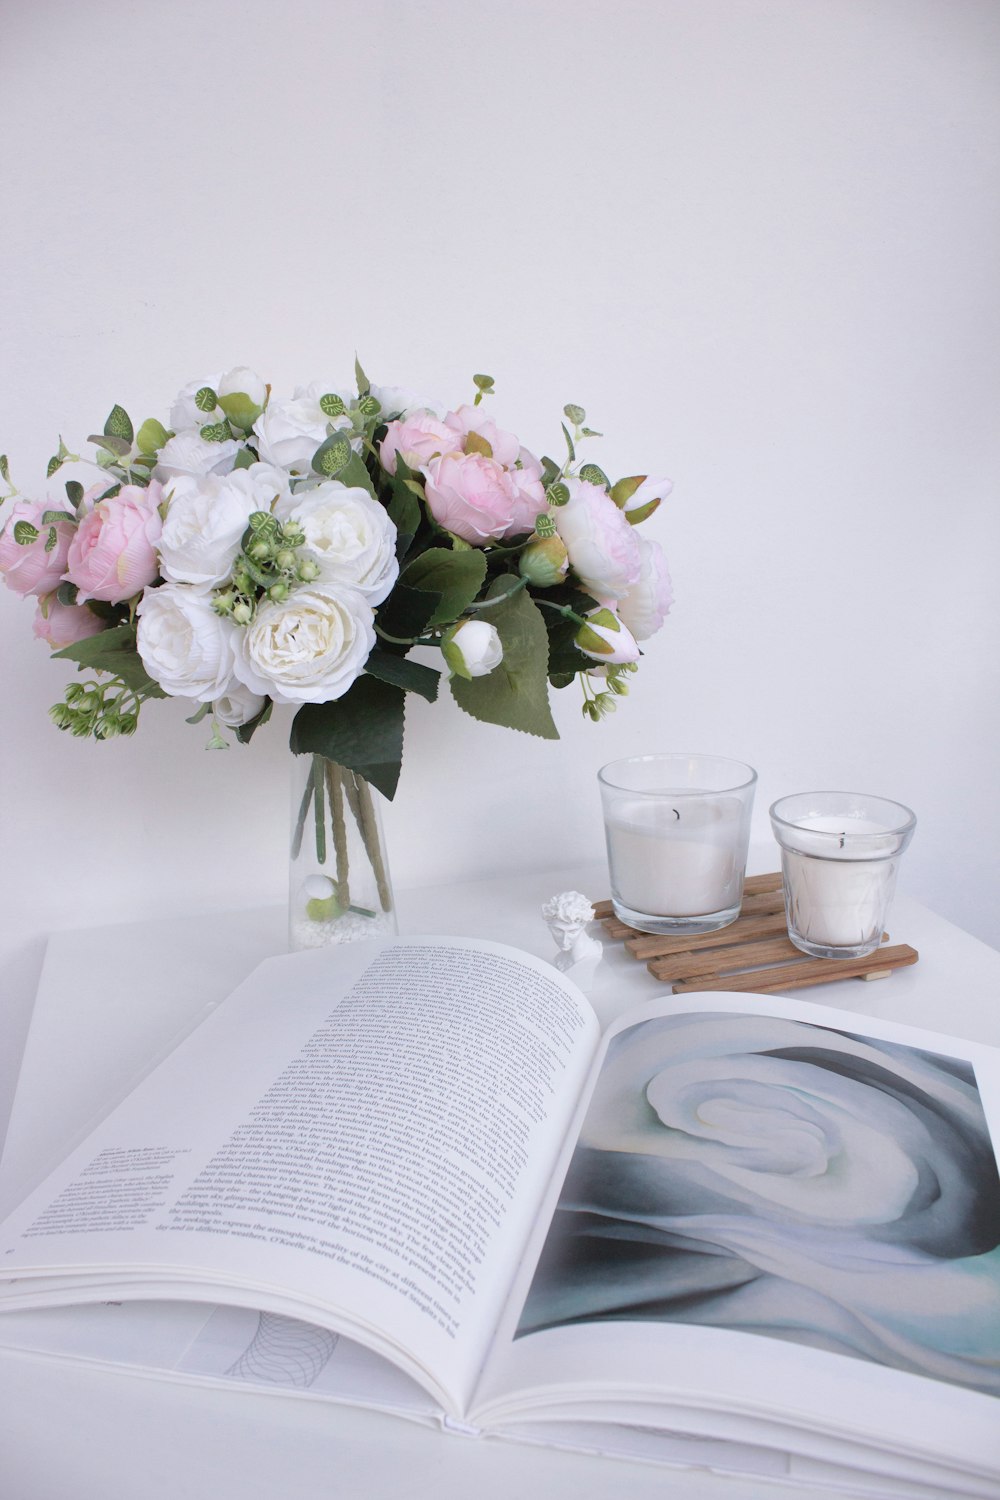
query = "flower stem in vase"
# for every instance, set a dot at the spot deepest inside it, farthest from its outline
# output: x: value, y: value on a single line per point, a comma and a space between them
x: 349, y: 896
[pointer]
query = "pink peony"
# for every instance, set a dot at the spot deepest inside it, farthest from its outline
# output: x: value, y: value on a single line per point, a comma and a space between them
x: 644, y: 608
x: 419, y: 438
x: 27, y: 567
x: 65, y: 624
x: 472, y: 497
x: 113, y: 554
x: 603, y: 548
x: 506, y: 447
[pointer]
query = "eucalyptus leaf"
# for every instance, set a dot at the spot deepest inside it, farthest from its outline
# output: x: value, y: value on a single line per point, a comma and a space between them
x: 216, y: 432
x: 456, y: 576
x: 594, y: 475
x: 576, y: 415
x: 332, y: 455
x: 119, y: 425
x: 362, y: 730
x: 206, y: 399
x: 514, y: 694
x: 110, y: 443
x: 332, y: 405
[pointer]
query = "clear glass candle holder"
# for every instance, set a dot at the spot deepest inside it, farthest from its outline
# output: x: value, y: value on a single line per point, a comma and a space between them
x: 840, y: 854
x: 677, y: 830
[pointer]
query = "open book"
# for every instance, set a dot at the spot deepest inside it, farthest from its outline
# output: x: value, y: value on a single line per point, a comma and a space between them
x: 744, y: 1233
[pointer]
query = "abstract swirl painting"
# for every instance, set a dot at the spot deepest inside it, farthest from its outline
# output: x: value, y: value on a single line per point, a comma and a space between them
x: 788, y: 1180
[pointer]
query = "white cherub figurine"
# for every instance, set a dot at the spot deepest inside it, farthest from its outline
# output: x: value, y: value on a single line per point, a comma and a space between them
x: 566, y: 917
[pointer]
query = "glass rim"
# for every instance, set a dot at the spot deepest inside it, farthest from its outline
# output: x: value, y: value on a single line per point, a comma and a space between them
x: 904, y: 825
x: 749, y: 777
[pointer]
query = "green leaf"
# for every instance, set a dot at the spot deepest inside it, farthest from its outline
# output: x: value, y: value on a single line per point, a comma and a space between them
x: 206, y: 399
x: 411, y: 676
x: 569, y: 442
x: 51, y: 539
x: 475, y: 443
x: 244, y: 459
x: 332, y: 405
x: 364, y: 384
x: 196, y: 718
x: 369, y: 407
x: 456, y: 576
x: 593, y: 475
x: 514, y: 694
x: 25, y: 533
x: 66, y: 592
x: 216, y: 432
x: 407, y: 612
x: 116, y: 446
x: 332, y: 455
x: 4, y: 467
x: 557, y: 494
x: 56, y: 515
x: 152, y: 436
x: 74, y: 492
x: 55, y: 463
x: 550, y: 472
x: 113, y: 651
x: 362, y: 730
x: 576, y: 415
x: 119, y: 425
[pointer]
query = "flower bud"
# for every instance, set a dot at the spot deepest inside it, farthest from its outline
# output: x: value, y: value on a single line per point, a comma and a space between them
x: 604, y: 638
x: 285, y: 559
x: 472, y: 648
x: 242, y: 613
x: 544, y: 561
x: 278, y: 591
x: 638, y: 496
x: 308, y: 569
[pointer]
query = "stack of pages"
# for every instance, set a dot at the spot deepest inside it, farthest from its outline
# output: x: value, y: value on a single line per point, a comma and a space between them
x: 738, y: 1232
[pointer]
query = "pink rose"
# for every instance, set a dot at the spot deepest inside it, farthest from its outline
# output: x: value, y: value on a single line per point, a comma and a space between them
x: 27, y: 567
x: 65, y: 624
x: 113, y: 554
x: 644, y: 608
x: 419, y: 438
x: 603, y: 548
x: 529, y: 497
x: 472, y: 496
x: 506, y: 447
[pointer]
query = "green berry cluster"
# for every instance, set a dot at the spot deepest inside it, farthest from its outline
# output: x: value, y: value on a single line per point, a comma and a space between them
x: 268, y: 566
x: 104, y: 710
x: 597, y: 706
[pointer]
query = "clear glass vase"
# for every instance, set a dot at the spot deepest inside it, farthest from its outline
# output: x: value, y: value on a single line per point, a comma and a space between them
x: 339, y: 887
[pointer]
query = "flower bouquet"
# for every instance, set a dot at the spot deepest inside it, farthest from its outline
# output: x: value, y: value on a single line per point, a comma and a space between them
x: 267, y: 550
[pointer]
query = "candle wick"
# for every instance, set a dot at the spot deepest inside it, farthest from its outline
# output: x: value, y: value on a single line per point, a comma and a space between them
x: 843, y: 839
x: 676, y: 813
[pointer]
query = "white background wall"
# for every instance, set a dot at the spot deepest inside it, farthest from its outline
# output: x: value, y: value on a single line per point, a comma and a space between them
x: 756, y: 239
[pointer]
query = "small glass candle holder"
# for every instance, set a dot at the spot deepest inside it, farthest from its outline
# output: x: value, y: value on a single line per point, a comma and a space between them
x: 677, y: 830
x: 840, y: 853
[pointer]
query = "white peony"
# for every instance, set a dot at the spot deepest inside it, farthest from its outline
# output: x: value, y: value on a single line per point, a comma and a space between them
x: 289, y: 431
x: 397, y: 401
x: 204, y: 524
x: 238, y: 705
x: 184, y: 645
x: 184, y: 413
x: 188, y: 453
x: 645, y: 606
x: 348, y: 534
x: 308, y: 648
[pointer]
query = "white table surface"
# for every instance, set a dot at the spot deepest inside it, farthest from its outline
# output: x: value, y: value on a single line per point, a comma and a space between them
x: 110, y: 1001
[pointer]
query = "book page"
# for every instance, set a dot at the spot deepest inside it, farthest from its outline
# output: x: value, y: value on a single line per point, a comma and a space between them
x: 787, y: 1218
x: 357, y: 1138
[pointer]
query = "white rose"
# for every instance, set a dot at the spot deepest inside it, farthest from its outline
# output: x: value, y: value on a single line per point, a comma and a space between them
x: 645, y: 606
x: 238, y: 705
x: 308, y: 648
x: 188, y: 453
x: 184, y: 645
x: 472, y: 648
x: 348, y: 534
x: 204, y: 524
x: 184, y: 413
x: 272, y: 487
x: 241, y: 380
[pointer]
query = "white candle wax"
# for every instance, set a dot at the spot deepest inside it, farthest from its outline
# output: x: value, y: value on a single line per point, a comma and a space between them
x: 838, y: 889
x: 676, y: 859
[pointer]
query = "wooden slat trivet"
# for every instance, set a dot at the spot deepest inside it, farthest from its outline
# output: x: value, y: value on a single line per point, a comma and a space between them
x: 752, y: 953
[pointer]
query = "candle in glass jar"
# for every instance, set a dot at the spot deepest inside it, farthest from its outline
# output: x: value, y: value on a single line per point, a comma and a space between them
x: 838, y: 889
x: 676, y: 858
